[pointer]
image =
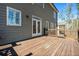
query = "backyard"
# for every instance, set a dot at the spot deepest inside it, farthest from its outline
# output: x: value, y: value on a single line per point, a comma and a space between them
x: 41, y: 29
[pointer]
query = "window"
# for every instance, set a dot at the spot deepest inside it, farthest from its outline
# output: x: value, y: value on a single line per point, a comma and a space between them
x: 47, y: 25
x: 55, y: 15
x: 51, y: 25
x: 13, y: 17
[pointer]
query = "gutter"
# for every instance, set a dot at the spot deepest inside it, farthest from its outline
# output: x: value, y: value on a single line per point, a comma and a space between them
x: 53, y: 7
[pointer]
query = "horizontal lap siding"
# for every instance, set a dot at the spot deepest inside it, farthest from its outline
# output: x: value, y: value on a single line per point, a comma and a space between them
x: 2, y: 21
x: 2, y: 14
x: 45, y: 13
x: 14, y: 33
x: 51, y: 18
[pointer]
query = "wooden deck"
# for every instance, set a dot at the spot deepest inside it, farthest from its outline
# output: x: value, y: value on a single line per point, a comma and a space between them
x: 48, y: 46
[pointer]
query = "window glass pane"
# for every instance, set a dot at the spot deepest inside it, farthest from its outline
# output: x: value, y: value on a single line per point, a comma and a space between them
x: 38, y: 27
x: 47, y: 25
x: 34, y: 26
x: 54, y: 15
x: 11, y: 16
x: 52, y: 25
x: 17, y: 18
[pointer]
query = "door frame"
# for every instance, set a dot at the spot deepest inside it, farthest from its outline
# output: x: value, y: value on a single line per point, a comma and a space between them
x: 36, y: 19
x: 47, y: 24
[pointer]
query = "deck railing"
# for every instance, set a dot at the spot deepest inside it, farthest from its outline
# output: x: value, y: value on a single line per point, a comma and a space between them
x: 52, y: 32
x: 67, y: 33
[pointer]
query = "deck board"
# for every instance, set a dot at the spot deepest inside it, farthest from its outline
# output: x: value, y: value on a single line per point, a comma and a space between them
x: 47, y: 46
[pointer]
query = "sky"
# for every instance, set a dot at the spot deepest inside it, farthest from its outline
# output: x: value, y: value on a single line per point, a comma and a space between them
x: 61, y: 6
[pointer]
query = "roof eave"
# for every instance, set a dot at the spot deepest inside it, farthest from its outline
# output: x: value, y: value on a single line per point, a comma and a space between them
x: 53, y: 6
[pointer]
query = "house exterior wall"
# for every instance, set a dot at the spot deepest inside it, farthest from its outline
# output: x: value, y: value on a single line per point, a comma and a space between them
x: 15, y: 33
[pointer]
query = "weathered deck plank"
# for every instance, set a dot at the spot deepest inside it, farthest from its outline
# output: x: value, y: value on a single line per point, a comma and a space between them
x: 47, y: 46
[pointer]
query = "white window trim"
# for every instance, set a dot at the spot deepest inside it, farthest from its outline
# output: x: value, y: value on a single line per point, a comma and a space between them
x: 14, y: 16
x: 52, y: 25
x: 47, y: 24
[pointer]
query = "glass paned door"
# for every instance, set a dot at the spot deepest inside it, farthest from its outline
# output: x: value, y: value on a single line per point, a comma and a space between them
x: 36, y: 26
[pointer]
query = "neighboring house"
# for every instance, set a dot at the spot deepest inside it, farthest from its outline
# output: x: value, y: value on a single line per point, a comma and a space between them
x: 19, y: 21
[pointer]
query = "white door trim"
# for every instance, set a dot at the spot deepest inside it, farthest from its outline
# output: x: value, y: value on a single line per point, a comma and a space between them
x: 47, y: 24
x: 32, y: 27
x: 37, y: 20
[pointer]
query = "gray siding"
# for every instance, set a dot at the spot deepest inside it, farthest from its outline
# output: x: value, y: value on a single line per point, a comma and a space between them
x: 15, y: 33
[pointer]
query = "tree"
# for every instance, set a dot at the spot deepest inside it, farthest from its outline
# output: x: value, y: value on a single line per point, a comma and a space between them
x: 77, y: 6
x: 69, y: 12
x: 66, y: 13
x: 62, y: 15
x: 69, y: 16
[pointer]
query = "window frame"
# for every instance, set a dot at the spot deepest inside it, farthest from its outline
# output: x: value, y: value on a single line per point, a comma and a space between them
x: 54, y: 15
x: 47, y: 24
x: 15, y: 11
